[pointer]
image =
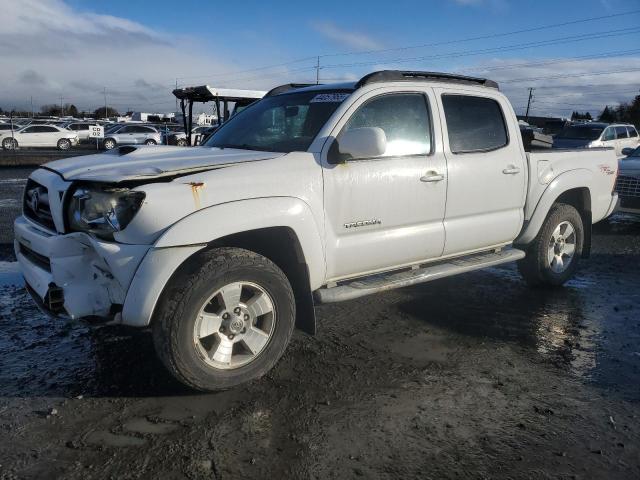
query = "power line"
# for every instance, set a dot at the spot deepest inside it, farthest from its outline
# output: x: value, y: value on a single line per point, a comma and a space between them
x: 488, y: 36
x: 503, y: 48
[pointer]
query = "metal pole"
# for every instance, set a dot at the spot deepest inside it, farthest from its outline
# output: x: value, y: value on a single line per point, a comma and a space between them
x: 31, y: 107
x: 61, y: 108
x: 176, y: 97
x: 526, y: 116
x: 318, y: 70
x: 105, y: 103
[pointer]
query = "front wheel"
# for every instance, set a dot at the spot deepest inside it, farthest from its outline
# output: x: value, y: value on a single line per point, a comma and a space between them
x: 64, y: 144
x: 225, y: 319
x: 552, y: 258
x: 10, y: 144
x: 109, y: 144
x: 150, y: 142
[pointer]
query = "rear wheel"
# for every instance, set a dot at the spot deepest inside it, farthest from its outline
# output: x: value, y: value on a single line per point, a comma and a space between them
x: 150, y: 142
x: 225, y: 319
x: 109, y: 144
x: 181, y: 142
x: 64, y: 144
x: 553, y: 257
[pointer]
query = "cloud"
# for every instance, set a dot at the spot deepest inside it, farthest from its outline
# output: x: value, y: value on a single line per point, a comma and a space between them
x: 563, y: 85
x: 31, y: 77
x: 347, y: 38
x: 50, y: 50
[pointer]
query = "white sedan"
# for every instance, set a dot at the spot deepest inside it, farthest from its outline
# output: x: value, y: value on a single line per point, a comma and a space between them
x: 39, y: 136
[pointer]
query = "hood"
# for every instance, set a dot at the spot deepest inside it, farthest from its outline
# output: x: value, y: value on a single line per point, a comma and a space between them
x: 570, y: 142
x: 629, y: 166
x: 139, y: 163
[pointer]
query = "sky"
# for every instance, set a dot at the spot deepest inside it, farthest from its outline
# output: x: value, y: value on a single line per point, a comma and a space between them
x: 76, y: 51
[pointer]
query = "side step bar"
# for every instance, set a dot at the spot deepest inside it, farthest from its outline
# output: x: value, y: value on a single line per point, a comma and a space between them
x: 390, y: 280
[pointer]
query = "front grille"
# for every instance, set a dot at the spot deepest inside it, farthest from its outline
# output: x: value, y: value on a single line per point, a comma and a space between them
x: 628, y: 186
x: 36, y: 204
x: 35, y: 258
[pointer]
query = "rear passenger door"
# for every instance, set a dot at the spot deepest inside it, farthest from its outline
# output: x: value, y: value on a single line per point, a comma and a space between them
x: 487, y: 180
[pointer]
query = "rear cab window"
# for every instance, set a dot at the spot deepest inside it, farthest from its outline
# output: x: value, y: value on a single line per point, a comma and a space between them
x: 474, y: 123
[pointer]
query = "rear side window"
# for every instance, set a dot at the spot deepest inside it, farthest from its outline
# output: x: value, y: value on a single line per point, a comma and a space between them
x: 475, y: 124
x: 621, y: 132
x: 404, y: 118
x: 632, y: 132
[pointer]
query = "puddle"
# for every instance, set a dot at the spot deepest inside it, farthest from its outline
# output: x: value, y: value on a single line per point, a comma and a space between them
x: 10, y: 274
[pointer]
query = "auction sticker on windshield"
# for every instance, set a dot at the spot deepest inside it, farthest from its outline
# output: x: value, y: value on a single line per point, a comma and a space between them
x: 329, y: 97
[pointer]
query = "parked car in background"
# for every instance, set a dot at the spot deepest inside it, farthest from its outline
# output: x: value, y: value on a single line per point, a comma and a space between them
x: 131, y: 135
x: 591, y: 135
x: 39, y: 136
x: 81, y: 129
x: 628, y: 183
x: 197, y: 135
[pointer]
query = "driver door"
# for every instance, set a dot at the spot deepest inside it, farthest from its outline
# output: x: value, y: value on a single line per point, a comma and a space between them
x: 386, y: 212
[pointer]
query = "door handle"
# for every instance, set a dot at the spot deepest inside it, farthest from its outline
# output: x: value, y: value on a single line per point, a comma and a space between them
x: 432, y: 176
x: 511, y: 170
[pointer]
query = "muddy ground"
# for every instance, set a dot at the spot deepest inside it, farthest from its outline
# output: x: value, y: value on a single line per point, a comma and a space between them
x: 476, y: 376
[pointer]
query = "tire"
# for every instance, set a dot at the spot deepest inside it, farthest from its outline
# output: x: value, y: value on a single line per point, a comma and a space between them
x: 150, y: 142
x: 177, y: 319
x: 64, y: 144
x: 548, y: 261
x: 109, y: 144
x: 181, y: 142
x: 10, y: 144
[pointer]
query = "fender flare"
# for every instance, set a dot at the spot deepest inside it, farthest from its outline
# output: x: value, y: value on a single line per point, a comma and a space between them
x: 217, y: 221
x: 572, y: 179
x: 192, y: 233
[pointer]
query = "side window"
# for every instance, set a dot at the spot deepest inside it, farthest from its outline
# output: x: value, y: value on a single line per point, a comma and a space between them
x: 29, y: 130
x: 621, y: 132
x: 609, y: 134
x: 48, y: 129
x: 127, y: 130
x: 404, y: 118
x: 475, y: 124
x: 633, y: 133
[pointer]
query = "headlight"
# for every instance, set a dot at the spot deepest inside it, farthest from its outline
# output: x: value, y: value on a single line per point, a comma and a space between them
x: 103, y: 210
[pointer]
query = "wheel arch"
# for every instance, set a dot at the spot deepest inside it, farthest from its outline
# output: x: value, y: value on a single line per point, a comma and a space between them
x: 574, y: 188
x: 282, y: 229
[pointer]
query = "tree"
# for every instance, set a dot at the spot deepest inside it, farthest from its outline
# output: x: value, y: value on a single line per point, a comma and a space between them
x: 111, y: 112
x: 607, y: 115
x: 50, y: 110
x: 70, y: 109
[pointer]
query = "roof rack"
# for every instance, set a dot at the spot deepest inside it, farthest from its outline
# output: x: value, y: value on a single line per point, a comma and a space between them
x: 409, y: 76
x: 286, y: 87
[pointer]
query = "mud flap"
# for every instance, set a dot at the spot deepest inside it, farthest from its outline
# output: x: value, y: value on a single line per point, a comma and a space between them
x: 305, y: 313
x: 588, y: 228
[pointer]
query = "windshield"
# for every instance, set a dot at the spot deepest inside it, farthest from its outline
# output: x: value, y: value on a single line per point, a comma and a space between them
x: 283, y: 123
x: 581, y: 133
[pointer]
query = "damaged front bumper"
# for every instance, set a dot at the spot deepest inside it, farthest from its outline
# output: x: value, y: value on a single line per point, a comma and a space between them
x: 75, y: 275
x: 80, y: 277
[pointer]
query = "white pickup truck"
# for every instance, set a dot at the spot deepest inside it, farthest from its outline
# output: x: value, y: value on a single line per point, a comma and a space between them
x: 311, y: 195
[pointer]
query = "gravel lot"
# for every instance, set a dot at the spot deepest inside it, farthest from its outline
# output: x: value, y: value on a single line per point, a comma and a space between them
x: 476, y: 376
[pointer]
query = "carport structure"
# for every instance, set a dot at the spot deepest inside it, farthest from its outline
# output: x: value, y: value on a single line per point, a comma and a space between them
x: 223, y: 98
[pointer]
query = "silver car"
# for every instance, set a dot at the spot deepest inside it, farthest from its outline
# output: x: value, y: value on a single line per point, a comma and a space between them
x: 628, y: 183
x: 131, y: 135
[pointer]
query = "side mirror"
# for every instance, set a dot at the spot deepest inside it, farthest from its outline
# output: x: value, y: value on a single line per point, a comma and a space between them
x: 365, y: 142
x: 627, y: 151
